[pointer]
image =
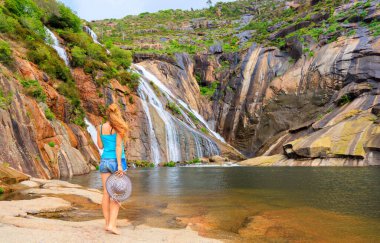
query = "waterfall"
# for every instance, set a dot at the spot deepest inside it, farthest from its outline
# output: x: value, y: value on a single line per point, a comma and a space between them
x: 89, y: 31
x: 172, y: 141
x: 52, y: 40
x: 155, y: 149
x: 176, y: 130
x: 93, y: 133
x: 172, y: 97
x: 94, y: 37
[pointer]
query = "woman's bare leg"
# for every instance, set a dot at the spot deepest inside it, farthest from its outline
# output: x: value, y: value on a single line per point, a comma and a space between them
x: 105, y: 200
x: 114, y: 211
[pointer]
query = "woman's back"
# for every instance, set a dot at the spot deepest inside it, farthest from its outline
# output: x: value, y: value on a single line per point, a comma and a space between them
x: 108, y: 137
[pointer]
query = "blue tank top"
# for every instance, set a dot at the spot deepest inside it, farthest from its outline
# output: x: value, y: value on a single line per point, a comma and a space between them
x: 109, y: 145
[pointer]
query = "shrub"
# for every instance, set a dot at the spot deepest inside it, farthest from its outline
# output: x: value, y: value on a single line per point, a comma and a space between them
x: 49, y: 114
x: 5, y: 53
x: 122, y: 58
x: 345, y: 99
x: 78, y: 56
x: 35, y: 25
x: 143, y: 163
x: 51, y: 144
x: 1, y: 190
x: 194, y: 161
x: 170, y: 164
x: 131, y: 101
x: 49, y: 61
x: 173, y: 107
x: 5, y: 99
x: 96, y: 52
x: 7, y: 24
x: 209, y: 90
x: 66, y: 19
x: 23, y: 8
x: 34, y: 89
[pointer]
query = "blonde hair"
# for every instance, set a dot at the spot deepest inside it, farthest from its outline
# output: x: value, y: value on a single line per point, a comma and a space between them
x: 116, y: 120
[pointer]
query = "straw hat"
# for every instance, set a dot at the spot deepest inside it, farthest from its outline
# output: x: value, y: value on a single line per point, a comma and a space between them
x: 119, y: 187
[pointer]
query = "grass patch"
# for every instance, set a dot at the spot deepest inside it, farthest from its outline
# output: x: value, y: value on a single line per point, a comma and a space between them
x: 345, y: 99
x: 6, y: 53
x: 49, y: 114
x: 143, y: 164
x: 209, y: 90
x: 34, y: 89
x: 194, y: 161
x: 204, y: 130
x: 51, y: 144
x: 5, y: 99
x: 173, y: 107
x: 170, y: 164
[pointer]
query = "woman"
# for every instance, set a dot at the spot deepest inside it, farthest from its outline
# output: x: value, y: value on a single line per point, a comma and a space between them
x: 111, y: 139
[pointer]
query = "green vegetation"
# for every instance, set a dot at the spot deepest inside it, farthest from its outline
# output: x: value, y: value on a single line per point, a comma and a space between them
x: 204, y: 130
x: 194, y: 161
x: 170, y: 164
x: 345, y: 99
x: 209, y: 90
x: 1, y: 190
x: 173, y: 107
x: 155, y: 89
x: 51, y: 144
x: 49, y: 114
x: 130, y: 99
x: 143, y: 164
x: 193, y: 118
x: 34, y: 89
x: 49, y: 61
x: 5, y: 99
x: 78, y: 56
x: 5, y: 53
x: 24, y: 21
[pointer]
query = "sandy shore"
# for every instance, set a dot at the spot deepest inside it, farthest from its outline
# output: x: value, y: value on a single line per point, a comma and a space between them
x: 17, y: 223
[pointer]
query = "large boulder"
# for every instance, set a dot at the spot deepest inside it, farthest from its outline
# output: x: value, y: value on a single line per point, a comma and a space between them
x: 8, y: 175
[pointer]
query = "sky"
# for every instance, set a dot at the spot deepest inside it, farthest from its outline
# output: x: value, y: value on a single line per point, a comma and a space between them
x: 103, y: 9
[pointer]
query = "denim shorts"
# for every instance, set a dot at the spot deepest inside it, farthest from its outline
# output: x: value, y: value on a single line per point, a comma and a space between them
x: 110, y: 165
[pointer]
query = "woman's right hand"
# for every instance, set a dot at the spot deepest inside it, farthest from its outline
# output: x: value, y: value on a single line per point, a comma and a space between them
x: 119, y: 172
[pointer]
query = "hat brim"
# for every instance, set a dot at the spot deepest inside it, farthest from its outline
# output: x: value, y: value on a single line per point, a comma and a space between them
x: 112, y: 181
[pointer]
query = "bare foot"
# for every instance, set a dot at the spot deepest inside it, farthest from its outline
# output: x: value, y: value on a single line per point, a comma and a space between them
x: 113, y: 230
x: 106, y: 228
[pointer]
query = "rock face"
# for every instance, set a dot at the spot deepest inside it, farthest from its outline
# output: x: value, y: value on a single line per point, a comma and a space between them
x: 320, y: 111
x: 33, y: 144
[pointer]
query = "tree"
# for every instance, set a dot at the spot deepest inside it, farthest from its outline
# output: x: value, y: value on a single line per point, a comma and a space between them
x: 209, y: 2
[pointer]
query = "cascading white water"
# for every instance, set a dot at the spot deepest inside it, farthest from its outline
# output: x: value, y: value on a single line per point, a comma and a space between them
x: 172, y: 141
x: 171, y: 96
x: 52, y: 40
x: 175, y: 128
x: 94, y: 37
x: 93, y: 133
x: 155, y: 149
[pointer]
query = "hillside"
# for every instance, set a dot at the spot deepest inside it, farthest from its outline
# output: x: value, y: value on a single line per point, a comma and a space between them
x: 302, y: 90
x: 234, y: 25
x: 300, y: 70
x: 56, y: 82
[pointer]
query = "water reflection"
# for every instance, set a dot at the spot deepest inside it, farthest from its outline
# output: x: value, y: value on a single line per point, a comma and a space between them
x: 278, y: 202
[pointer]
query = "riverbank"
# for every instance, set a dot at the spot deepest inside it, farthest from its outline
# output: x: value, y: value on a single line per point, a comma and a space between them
x: 20, y: 220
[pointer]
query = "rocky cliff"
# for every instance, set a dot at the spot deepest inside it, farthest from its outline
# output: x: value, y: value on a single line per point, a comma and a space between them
x: 314, y: 101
